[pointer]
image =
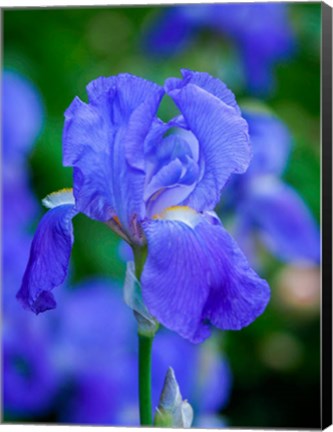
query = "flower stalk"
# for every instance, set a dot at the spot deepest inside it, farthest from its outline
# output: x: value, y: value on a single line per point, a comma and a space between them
x: 145, y: 350
x: 147, y: 327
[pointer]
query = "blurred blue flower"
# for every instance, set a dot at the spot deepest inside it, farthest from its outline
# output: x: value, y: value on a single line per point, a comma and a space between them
x: 260, y: 31
x: 30, y: 380
x: 97, y: 356
x: 30, y: 376
x: 264, y: 204
x: 155, y: 184
x: 22, y: 116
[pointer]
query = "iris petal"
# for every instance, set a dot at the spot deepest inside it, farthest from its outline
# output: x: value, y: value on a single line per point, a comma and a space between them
x: 205, y: 81
x: 85, y: 146
x: 49, y: 259
x: 109, y: 133
x: 196, y: 274
x: 223, y: 139
x: 166, y: 176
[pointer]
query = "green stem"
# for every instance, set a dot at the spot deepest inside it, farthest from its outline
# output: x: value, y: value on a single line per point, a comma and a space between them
x: 140, y: 255
x: 145, y: 349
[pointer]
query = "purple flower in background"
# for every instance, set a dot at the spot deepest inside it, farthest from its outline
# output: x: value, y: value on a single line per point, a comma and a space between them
x: 264, y: 204
x: 30, y: 376
x: 22, y: 116
x: 156, y: 185
x: 260, y: 31
x: 30, y: 380
x: 96, y: 354
x: 107, y: 392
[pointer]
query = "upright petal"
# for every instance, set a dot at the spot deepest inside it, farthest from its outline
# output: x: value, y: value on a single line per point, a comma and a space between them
x: 196, y: 274
x: 171, y: 171
x: 49, y: 258
x: 104, y: 140
x: 221, y: 131
x: 205, y: 81
x: 285, y: 223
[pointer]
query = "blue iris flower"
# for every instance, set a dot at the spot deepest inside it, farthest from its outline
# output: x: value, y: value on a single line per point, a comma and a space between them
x: 264, y: 204
x: 261, y: 33
x: 156, y: 184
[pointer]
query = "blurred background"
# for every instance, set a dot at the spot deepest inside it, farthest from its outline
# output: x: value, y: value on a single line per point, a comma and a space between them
x: 77, y: 363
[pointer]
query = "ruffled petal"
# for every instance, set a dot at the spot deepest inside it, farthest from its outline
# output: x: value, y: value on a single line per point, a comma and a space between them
x: 283, y: 220
x: 205, y: 81
x: 221, y: 131
x: 49, y: 259
x: 195, y: 274
x: 104, y: 142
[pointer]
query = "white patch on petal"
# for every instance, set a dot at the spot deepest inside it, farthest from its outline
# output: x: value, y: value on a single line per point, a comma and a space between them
x: 62, y: 197
x: 181, y: 214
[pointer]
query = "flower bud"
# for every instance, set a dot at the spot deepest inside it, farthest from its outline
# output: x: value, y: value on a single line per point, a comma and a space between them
x: 172, y: 411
